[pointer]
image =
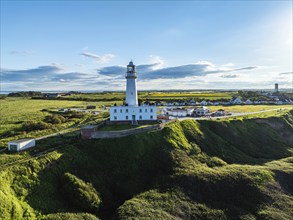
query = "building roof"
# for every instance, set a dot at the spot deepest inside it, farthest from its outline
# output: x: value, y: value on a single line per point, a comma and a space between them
x: 21, y: 140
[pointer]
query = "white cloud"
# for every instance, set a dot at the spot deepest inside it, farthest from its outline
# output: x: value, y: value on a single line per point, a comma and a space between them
x: 106, y: 58
x: 157, y: 62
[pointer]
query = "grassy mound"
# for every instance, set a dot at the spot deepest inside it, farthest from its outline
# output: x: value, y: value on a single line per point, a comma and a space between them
x: 237, y: 169
x: 82, y: 195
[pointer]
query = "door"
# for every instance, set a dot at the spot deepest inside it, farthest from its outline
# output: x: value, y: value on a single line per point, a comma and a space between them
x: 133, y: 118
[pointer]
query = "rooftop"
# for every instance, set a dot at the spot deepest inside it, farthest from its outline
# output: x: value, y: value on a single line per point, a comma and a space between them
x: 22, y: 140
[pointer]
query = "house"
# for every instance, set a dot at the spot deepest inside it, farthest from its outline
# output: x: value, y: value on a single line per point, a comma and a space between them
x: 51, y: 95
x: 158, y: 103
x: 235, y: 101
x: 248, y: 102
x: 179, y: 112
x: 220, y: 112
x: 202, y: 111
x: 203, y: 103
x: 21, y: 144
x: 279, y: 102
x: 192, y: 102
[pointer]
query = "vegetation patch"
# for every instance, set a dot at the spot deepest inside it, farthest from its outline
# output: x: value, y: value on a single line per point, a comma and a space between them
x: 237, y: 169
x: 80, y: 194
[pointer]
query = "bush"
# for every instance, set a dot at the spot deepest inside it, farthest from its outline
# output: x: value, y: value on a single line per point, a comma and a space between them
x: 25, y: 94
x: 35, y: 125
x: 83, y: 195
x: 54, y: 119
x: 72, y: 216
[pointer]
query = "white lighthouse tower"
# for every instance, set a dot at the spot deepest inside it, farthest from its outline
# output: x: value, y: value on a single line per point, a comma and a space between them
x: 131, y: 91
x: 132, y: 112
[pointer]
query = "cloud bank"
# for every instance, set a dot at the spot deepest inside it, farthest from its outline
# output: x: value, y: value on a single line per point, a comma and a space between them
x: 154, y: 70
x: 154, y: 75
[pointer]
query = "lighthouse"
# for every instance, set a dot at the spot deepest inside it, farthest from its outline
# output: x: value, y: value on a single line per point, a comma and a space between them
x: 131, y: 91
x: 132, y: 112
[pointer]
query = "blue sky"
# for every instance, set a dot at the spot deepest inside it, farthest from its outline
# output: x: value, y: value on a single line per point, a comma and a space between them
x: 80, y: 45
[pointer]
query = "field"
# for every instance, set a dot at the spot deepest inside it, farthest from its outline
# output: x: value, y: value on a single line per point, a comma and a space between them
x: 190, y: 95
x: 16, y: 111
x: 151, y: 96
x: 248, y: 108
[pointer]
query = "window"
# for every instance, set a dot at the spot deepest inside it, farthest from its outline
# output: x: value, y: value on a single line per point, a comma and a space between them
x: 146, y: 110
x: 126, y: 117
x: 151, y: 110
x: 115, y: 117
x: 140, y: 110
x: 131, y: 93
x: 13, y: 147
x: 151, y: 117
x: 126, y: 110
x: 120, y: 110
x: 115, y: 110
x: 140, y: 117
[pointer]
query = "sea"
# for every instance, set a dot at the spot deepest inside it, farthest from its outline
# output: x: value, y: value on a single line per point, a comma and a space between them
x: 53, y: 91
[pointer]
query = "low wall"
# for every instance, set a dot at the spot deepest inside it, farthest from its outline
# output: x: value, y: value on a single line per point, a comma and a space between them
x: 124, y: 133
x: 140, y: 122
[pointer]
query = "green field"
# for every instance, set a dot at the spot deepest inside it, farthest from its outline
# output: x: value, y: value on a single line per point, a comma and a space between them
x: 16, y: 111
x: 152, y: 96
x: 248, y: 108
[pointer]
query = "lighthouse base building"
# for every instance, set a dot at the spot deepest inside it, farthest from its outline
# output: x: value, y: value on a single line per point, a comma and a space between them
x: 132, y: 112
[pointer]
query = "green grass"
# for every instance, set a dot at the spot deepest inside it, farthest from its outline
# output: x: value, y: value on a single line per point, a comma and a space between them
x: 17, y: 111
x: 234, y: 169
x: 118, y: 97
x: 248, y: 108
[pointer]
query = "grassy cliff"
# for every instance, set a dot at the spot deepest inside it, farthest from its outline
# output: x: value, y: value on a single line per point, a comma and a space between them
x: 236, y: 169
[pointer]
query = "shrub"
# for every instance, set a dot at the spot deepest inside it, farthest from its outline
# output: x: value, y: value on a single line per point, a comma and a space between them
x: 35, y: 125
x: 72, y: 216
x: 54, y: 119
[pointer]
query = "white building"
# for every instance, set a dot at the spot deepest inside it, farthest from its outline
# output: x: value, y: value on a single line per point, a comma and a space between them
x: 235, y: 101
x: 179, y: 112
x: 21, y: 144
x: 248, y: 102
x: 203, y: 102
x: 202, y: 111
x: 131, y: 111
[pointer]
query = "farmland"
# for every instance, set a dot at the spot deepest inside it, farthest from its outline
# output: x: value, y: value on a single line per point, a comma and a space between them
x: 151, y: 96
x: 248, y: 108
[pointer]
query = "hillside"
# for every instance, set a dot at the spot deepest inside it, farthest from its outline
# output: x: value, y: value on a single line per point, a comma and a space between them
x: 234, y: 169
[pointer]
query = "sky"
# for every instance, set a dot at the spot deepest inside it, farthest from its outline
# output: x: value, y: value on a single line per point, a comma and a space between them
x: 86, y: 45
